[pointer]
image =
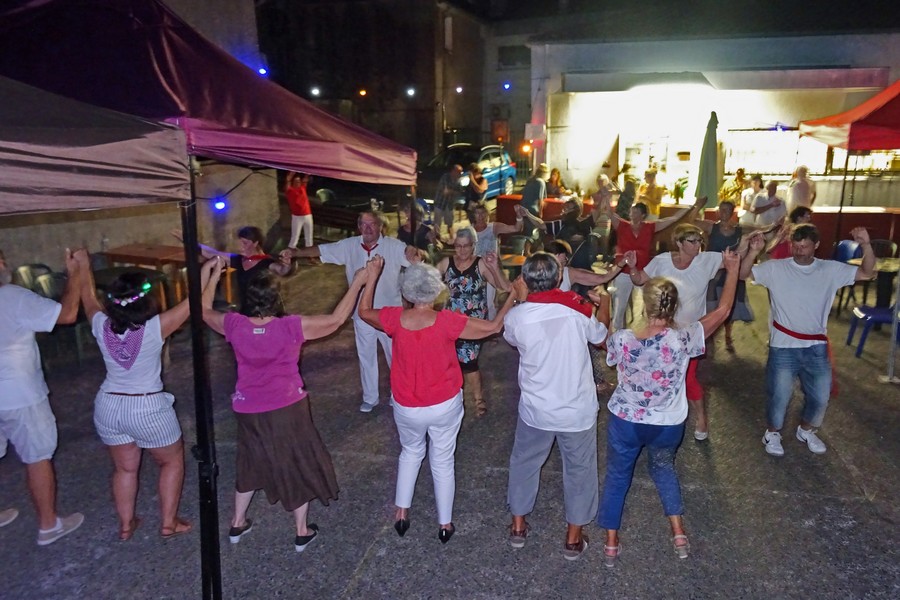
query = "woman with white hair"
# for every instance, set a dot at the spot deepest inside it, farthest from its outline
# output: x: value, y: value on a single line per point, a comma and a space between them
x: 426, y: 382
x: 468, y: 277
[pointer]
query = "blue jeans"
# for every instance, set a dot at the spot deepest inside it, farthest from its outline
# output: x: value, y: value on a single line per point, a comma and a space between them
x: 624, y: 441
x: 814, y: 369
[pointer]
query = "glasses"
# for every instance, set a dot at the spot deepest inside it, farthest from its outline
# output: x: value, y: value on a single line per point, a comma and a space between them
x: 693, y: 240
x: 462, y: 245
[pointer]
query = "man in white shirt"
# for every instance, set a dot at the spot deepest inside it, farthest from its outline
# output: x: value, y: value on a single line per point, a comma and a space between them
x: 802, y: 191
x: 768, y: 207
x: 26, y: 419
x: 747, y: 216
x: 354, y: 253
x: 558, y: 401
x: 801, y: 292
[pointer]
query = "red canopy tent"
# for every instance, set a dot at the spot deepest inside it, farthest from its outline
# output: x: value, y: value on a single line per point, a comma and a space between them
x: 873, y: 125
x: 138, y: 57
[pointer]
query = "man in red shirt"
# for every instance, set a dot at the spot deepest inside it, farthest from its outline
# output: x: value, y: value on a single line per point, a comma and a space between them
x: 301, y: 215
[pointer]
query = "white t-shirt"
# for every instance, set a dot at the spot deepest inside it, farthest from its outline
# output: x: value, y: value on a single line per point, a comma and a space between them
x: 350, y: 253
x: 144, y: 374
x: 801, y: 193
x: 22, y: 314
x: 691, y: 282
x: 773, y: 214
x: 555, y: 374
x: 747, y: 197
x: 801, y: 296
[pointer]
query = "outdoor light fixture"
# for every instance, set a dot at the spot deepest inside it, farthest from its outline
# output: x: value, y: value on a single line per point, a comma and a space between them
x: 315, y: 91
x: 459, y: 89
x: 506, y: 85
x: 263, y: 71
x: 219, y: 204
x: 362, y: 92
x: 410, y: 92
x: 526, y: 148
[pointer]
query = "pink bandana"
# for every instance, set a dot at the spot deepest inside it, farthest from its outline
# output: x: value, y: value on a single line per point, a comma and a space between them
x: 125, y: 350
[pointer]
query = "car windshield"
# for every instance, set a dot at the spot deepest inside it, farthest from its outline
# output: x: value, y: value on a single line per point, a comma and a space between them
x: 455, y: 156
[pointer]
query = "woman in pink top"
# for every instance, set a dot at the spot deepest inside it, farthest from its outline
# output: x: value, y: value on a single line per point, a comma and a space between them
x: 278, y: 447
x: 426, y: 382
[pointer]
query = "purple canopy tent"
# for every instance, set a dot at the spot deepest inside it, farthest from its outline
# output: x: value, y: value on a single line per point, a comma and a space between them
x: 60, y: 154
x: 138, y: 57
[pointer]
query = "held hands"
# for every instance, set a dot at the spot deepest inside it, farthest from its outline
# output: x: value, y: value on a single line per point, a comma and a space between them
x: 81, y: 256
x: 860, y: 235
x: 757, y: 242
x: 519, y: 289
x: 374, y: 266
x: 73, y: 265
x: 360, y: 277
x: 731, y: 260
x: 630, y: 259
x: 286, y: 256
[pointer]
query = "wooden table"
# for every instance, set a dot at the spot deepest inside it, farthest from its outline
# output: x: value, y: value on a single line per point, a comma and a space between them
x: 159, y: 256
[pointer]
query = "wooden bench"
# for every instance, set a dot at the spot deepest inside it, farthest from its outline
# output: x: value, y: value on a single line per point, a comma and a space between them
x: 337, y: 217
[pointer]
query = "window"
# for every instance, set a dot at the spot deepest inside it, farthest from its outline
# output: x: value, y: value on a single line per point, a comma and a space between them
x: 514, y: 57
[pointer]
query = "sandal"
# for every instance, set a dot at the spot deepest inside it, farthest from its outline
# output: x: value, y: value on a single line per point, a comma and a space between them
x: 181, y: 527
x: 126, y: 534
x: 681, y: 550
x: 480, y: 407
x: 610, y: 554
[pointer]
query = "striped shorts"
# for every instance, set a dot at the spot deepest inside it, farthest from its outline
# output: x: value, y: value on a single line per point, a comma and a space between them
x: 148, y: 421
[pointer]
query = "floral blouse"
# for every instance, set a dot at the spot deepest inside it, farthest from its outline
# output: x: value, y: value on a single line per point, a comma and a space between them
x: 651, y: 374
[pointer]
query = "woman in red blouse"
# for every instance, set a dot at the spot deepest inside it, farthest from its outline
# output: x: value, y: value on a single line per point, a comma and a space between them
x: 426, y: 382
x: 637, y: 235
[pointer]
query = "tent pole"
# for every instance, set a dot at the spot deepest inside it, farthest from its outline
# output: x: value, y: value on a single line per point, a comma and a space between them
x: 837, y: 226
x: 205, y: 449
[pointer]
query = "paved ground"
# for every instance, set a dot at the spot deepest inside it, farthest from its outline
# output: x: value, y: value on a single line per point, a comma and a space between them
x: 760, y: 527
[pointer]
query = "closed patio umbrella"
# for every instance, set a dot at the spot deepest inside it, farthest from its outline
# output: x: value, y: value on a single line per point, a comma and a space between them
x: 708, y: 174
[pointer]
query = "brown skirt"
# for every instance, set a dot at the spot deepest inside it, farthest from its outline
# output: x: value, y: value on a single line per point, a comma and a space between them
x: 280, y: 452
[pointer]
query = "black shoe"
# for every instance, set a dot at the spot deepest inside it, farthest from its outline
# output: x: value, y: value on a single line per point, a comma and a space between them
x: 401, y: 526
x: 445, y: 534
x: 302, y: 541
x: 236, y: 533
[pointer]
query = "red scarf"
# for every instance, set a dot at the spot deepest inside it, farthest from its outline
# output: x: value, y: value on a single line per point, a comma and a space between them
x: 570, y: 299
x: 368, y: 249
x: 819, y: 337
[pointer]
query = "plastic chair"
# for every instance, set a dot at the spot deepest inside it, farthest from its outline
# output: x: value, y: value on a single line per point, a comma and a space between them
x: 870, y: 316
x: 26, y: 275
x: 843, y: 252
x: 51, y: 285
x: 884, y: 248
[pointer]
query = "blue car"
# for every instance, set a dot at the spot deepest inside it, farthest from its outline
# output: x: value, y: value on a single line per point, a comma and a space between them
x: 494, y: 161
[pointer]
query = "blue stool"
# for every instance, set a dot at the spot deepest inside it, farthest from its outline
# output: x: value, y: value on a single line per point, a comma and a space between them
x: 869, y: 316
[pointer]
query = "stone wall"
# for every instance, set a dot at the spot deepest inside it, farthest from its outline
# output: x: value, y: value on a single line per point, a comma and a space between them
x: 43, y: 238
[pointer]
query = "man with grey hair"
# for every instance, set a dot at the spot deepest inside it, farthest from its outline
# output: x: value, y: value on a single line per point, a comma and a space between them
x: 354, y: 252
x: 26, y: 418
x: 558, y: 401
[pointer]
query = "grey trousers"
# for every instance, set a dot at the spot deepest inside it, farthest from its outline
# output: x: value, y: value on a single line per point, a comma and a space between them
x: 580, y: 481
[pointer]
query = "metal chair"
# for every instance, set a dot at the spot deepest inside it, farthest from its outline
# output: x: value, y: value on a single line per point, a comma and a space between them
x: 884, y: 248
x: 53, y: 285
x: 25, y: 275
x: 869, y: 316
x: 843, y: 252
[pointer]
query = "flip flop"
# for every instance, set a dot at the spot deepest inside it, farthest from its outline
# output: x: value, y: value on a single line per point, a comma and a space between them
x: 181, y: 527
x: 126, y: 534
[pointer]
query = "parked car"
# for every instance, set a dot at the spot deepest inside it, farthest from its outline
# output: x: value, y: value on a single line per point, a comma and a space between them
x: 494, y: 161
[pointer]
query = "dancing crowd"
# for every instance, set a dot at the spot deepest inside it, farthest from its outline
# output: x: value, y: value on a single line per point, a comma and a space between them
x: 433, y: 355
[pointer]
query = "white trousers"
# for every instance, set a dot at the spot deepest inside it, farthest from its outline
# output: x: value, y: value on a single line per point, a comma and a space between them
x: 367, y: 340
x: 441, y: 423
x: 621, y: 298
x: 304, y: 223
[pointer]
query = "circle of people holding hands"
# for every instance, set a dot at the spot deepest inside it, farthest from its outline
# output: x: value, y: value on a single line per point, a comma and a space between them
x: 688, y: 293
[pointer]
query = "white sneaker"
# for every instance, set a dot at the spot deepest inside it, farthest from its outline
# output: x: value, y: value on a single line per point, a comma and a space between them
x: 772, y: 440
x: 8, y: 516
x: 64, y: 526
x: 365, y: 407
x: 815, y: 445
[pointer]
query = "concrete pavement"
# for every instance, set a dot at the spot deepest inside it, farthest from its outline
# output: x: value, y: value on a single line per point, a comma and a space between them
x: 760, y: 527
